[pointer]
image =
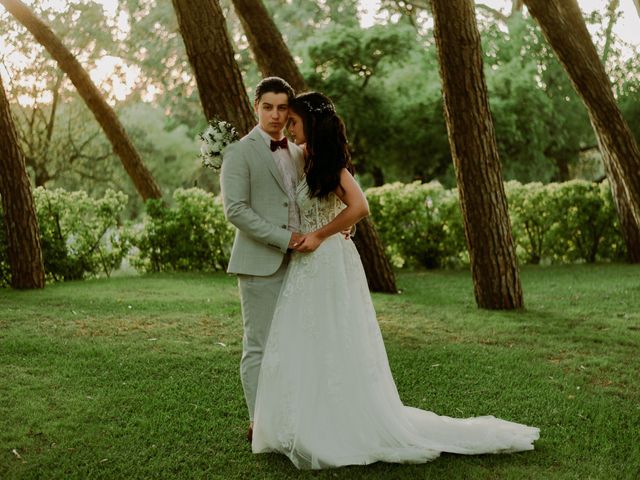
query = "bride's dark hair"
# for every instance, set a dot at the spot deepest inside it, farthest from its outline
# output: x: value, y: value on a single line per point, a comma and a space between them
x: 327, y: 148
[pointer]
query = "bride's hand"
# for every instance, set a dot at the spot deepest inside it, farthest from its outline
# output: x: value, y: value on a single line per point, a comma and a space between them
x: 309, y: 243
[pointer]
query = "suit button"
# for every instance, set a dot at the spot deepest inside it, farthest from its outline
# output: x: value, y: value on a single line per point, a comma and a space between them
x: 284, y: 226
x: 286, y: 204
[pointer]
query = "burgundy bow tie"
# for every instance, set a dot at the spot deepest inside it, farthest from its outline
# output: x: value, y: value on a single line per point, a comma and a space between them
x: 276, y: 144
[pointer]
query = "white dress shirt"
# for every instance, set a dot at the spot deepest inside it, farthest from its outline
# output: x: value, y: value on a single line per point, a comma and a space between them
x: 290, y: 176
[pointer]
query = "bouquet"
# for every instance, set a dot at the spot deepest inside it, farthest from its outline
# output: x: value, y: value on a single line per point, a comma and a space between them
x: 214, y: 140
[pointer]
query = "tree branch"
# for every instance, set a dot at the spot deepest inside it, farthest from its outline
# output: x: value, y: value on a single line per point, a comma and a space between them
x: 611, y: 13
x: 498, y: 15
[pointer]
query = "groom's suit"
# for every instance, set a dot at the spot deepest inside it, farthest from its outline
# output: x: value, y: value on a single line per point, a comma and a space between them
x: 258, y: 192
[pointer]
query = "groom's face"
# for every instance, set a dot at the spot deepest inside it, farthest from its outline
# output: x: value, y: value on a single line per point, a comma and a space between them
x: 273, y: 111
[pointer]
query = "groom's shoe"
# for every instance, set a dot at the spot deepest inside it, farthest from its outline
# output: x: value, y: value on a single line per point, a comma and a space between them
x: 250, y: 434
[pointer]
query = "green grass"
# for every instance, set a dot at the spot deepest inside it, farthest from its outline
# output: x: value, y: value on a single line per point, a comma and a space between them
x: 137, y: 377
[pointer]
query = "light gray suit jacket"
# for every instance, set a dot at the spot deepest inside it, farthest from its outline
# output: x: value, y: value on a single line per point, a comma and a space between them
x: 256, y: 202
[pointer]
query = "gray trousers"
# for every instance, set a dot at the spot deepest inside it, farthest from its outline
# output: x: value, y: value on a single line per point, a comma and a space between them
x: 258, y: 297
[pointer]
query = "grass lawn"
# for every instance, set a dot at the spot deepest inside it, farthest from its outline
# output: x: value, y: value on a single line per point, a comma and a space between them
x: 138, y: 377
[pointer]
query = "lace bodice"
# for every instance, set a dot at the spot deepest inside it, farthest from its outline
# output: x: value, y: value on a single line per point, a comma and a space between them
x: 314, y: 212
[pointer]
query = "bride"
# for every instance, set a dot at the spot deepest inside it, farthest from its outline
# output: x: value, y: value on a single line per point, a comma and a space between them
x: 326, y: 397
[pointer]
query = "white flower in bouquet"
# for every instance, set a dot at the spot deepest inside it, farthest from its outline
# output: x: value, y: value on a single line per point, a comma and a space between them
x: 214, y: 140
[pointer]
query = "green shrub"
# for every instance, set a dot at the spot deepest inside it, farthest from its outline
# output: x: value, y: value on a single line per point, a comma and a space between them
x: 585, y: 227
x: 80, y: 235
x: 532, y: 215
x: 419, y: 224
x: 190, y: 235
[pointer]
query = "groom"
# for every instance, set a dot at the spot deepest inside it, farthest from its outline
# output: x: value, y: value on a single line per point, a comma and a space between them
x: 260, y: 174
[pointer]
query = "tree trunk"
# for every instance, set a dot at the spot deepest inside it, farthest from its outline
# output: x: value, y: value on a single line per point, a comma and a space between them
x: 378, y: 176
x: 475, y: 155
x: 106, y: 117
x: 264, y: 39
x: 637, y: 4
x: 516, y: 6
x: 20, y: 220
x: 629, y: 226
x: 210, y: 52
x: 565, y: 30
x: 380, y: 276
x: 563, y: 168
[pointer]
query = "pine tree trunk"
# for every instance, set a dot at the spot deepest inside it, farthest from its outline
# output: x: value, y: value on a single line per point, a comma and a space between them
x: 516, y: 6
x: 628, y: 225
x: 563, y: 168
x: 20, y: 220
x: 264, y: 39
x: 106, y: 117
x: 565, y: 30
x: 475, y: 155
x: 377, y: 268
x: 273, y: 58
x: 211, y: 55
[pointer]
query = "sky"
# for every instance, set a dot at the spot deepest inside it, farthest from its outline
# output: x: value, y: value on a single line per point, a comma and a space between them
x: 627, y: 27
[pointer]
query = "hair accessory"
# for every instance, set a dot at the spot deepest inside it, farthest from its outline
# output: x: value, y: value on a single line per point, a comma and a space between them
x: 324, y: 108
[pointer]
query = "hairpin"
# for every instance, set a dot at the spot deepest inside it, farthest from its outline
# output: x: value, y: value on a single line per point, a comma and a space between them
x: 324, y: 108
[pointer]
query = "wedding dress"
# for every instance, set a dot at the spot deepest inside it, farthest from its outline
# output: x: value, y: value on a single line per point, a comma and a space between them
x: 326, y: 396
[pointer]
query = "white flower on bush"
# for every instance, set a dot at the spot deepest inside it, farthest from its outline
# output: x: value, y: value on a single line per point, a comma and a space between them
x: 428, y: 203
x: 214, y: 140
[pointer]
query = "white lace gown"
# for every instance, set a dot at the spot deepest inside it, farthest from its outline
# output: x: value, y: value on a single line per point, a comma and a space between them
x: 326, y: 397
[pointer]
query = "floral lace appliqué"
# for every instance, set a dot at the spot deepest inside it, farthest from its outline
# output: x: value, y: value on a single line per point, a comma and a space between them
x: 315, y: 213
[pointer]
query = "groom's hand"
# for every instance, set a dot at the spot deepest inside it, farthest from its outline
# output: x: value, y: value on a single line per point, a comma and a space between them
x: 296, y: 239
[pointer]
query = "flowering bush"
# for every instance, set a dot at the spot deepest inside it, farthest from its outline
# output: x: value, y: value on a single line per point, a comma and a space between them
x: 80, y: 235
x: 532, y: 214
x: 586, y: 224
x: 191, y: 235
x: 421, y: 224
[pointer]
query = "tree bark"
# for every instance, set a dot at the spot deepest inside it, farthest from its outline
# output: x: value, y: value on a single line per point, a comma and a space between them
x: 563, y: 169
x: 20, y: 220
x: 265, y: 38
x: 210, y: 52
x: 516, y: 6
x: 269, y: 50
x: 475, y: 155
x: 565, y: 30
x: 377, y: 268
x: 106, y: 117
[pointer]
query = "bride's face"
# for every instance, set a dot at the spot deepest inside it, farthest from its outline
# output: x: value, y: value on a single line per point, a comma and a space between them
x: 296, y: 128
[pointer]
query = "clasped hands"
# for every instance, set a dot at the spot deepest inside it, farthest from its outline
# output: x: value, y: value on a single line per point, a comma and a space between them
x: 309, y: 242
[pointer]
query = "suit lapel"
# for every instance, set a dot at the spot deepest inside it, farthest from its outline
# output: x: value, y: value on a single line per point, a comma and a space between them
x: 259, y: 145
